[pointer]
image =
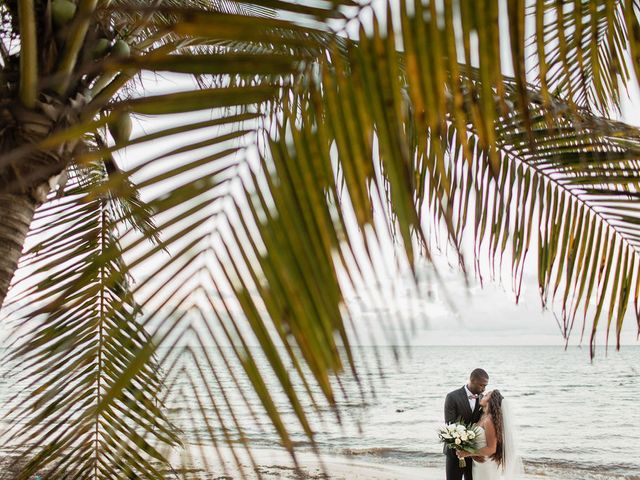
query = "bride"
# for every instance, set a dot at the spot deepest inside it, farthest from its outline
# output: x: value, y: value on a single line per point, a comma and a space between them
x: 496, y: 442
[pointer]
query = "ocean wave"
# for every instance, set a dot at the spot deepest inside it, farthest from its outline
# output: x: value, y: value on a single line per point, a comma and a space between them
x: 546, y: 467
x: 586, y: 470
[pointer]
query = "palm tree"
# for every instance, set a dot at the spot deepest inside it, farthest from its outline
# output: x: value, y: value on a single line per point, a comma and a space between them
x: 319, y: 115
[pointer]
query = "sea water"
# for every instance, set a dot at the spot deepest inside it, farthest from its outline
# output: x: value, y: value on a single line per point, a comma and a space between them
x: 578, y: 418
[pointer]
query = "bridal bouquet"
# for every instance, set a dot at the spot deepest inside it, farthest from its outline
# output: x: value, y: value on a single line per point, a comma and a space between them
x: 459, y: 436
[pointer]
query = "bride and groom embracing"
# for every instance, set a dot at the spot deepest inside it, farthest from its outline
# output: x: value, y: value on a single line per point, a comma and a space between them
x: 495, y: 456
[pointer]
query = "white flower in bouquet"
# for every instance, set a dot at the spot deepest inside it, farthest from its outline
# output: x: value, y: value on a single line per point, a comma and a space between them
x: 459, y: 436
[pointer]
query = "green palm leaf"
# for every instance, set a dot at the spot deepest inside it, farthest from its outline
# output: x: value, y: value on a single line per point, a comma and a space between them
x: 260, y: 227
x: 581, y: 51
x: 76, y: 350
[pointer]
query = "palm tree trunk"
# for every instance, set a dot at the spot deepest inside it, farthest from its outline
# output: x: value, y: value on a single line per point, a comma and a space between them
x: 16, y: 213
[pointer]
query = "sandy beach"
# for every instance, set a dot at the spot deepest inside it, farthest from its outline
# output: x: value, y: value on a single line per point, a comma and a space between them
x: 275, y: 463
x: 209, y: 463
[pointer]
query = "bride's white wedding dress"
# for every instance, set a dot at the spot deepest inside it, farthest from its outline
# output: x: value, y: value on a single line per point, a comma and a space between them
x: 487, y: 470
x: 513, y: 468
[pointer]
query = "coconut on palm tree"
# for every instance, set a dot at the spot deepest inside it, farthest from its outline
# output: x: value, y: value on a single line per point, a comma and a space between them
x: 250, y: 223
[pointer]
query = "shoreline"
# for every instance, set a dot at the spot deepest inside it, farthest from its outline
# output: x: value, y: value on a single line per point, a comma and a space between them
x: 206, y: 462
x: 276, y: 463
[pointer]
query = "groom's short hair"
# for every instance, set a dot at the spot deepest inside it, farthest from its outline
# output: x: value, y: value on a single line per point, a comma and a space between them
x: 480, y: 373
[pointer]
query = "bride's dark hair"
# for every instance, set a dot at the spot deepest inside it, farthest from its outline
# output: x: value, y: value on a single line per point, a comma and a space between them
x: 494, y: 408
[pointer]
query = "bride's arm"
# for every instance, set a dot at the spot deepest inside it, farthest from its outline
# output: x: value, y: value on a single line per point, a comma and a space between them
x: 492, y: 444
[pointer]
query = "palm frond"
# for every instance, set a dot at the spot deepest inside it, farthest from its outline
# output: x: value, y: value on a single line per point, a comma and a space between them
x: 315, y: 149
x: 72, y: 354
x: 29, y: 48
x: 582, y: 50
x: 571, y: 184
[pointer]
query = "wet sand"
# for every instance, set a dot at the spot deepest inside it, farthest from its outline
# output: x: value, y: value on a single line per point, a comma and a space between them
x: 276, y: 463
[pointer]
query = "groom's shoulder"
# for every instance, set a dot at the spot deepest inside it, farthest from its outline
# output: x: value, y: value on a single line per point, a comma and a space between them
x: 454, y: 392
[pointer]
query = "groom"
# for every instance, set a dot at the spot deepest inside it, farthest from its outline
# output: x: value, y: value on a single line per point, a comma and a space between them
x: 464, y: 405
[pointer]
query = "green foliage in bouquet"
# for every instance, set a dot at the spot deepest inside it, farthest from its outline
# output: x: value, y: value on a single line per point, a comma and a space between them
x: 460, y: 436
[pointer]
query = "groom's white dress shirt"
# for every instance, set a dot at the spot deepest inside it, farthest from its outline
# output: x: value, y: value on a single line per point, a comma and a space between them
x: 472, y: 401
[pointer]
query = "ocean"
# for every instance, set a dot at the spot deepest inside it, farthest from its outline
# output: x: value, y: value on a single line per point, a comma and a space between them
x: 577, y: 419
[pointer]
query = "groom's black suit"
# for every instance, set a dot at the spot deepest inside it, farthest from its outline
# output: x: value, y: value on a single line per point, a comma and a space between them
x: 457, y: 408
